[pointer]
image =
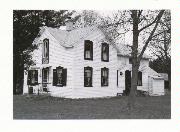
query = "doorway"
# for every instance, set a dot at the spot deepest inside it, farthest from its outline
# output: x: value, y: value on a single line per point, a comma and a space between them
x: 127, y: 82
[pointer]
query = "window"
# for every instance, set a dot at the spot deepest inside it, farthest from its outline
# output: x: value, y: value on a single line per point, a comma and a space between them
x: 88, y: 76
x: 105, y: 52
x: 130, y: 60
x: 32, y: 77
x: 45, y: 53
x: 104, y: 76
x: 139, y: 82
x: 88, y: 50
x: 59, y: 76
x: 45, y: 75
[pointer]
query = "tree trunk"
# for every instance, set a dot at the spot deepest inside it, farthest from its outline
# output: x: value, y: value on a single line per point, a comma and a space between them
x: 135, y: 61
x: 132, y: 95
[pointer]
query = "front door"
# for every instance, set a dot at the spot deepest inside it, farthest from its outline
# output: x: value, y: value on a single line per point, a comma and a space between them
x: 127, y: 82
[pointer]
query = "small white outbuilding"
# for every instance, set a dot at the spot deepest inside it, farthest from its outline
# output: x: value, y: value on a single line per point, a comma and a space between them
x: 156, y: 83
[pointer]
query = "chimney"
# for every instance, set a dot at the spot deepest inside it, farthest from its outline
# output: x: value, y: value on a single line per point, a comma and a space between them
x: 69, y: 24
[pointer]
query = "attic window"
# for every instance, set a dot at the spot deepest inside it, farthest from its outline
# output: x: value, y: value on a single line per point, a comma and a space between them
x: 88, y: 50
x: 105, y: 52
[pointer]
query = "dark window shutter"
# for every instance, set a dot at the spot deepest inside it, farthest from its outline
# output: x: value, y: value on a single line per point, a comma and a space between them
x: 36, y: 76
x: 91, y: 75
x: 85, y: 48
x: 85, y: 81
x: 48, y: 50
x: 91, y: 50
x: 54, y: 77
x: 29, y: 78
x: 101, y: 55
x: 64, y: 76
x: 107, y: 76
x: 107, y: 46
x: 101, y: 76
x: 117, y: 77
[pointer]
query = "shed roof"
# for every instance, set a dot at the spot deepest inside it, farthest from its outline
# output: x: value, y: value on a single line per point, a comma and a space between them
x: 154, y: 74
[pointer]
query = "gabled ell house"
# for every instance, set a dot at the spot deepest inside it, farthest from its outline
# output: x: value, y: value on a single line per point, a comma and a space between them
x: 82, y: 63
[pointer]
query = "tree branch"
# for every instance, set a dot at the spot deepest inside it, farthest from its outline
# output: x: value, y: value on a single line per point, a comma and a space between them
x: 139, y: 13
x: 151, y: 35
x: 155, y: 20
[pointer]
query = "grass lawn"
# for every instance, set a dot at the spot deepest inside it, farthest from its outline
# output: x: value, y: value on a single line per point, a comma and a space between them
x: 44, y: 107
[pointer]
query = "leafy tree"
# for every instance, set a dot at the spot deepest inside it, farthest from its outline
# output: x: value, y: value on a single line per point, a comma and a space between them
x: 26, y: 25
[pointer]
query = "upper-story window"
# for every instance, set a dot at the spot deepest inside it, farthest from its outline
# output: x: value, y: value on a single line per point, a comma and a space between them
x: 139, y: 81
x: 32, y: 77
x: 104, y: 76
x: 105, y: 52
x: 88, y: 50
x: 88, y: 76
x: 45, y: 52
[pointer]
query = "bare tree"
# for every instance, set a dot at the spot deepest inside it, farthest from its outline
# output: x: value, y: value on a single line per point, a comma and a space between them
x: 137, y: 18
x: 161, y: 44
x: 144, y: 25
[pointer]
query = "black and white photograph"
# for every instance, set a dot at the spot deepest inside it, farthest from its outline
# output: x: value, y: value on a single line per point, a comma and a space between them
x: 91, y: 64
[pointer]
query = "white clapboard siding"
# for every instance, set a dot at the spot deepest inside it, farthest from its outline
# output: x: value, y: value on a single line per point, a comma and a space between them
x: 97, y: 90
x: 158, y: 87
x: 123, y: 65
x: 58, y: 56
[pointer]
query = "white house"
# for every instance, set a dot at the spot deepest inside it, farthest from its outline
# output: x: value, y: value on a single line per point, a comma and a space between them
x: 82, y: 63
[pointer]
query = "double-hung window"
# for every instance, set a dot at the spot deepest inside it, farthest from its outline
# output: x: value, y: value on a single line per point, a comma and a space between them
x: 105, y: 52
x: 88, y: 71
x: 32, y: 77
x: 104, y: 76
x: 59, y: 76
x: 45, y: 52
x: 88, y: 50
x: 45, y: 75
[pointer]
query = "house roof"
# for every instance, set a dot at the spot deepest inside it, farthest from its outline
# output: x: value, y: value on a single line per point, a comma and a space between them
x: 125, y: 50
x: 70, y: 38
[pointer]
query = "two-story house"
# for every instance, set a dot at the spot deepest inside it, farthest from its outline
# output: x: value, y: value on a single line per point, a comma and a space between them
x: 82, y: 63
